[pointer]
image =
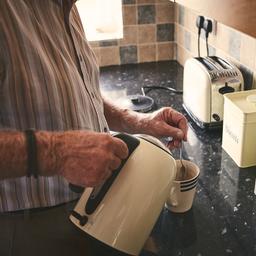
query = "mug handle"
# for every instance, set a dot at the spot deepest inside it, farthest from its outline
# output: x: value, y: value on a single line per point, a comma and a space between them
x: 172, y: 201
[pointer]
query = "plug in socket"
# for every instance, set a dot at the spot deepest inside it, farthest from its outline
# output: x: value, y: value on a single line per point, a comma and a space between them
x: 214, y: 25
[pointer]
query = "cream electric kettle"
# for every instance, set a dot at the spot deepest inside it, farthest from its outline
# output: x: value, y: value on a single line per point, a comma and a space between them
x: 122, y: 212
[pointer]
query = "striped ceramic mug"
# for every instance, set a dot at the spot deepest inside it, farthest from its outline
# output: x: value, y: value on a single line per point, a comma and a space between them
x: 182, y: 192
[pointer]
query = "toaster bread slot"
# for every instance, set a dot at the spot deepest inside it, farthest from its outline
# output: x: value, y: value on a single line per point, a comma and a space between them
x: 209, y: 66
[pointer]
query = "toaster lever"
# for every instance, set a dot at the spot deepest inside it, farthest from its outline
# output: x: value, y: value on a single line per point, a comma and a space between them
x: 226, y: 89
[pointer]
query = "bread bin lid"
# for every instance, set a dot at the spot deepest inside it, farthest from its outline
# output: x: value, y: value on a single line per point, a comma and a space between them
x: 244, y: 103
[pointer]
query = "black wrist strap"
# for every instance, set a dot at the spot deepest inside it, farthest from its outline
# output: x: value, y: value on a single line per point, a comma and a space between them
x: 32, y: 163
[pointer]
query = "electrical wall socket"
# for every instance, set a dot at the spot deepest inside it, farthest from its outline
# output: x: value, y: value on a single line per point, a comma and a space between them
x: 214, y: 26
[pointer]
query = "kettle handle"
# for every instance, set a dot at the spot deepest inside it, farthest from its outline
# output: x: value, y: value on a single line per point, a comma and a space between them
x: 99, y: 192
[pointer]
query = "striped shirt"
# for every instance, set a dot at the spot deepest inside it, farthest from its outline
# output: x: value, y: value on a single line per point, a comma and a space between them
x: 48, y: 81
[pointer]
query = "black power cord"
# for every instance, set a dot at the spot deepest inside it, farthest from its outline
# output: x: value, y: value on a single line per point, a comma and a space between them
x: 208, y: 29
x: 199, y: 24
x: 170, y: 89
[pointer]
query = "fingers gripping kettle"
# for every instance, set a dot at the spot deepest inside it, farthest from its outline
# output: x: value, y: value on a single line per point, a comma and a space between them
x: 122, y: 212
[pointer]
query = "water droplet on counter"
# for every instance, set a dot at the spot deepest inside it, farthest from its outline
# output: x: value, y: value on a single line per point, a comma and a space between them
x: 224, y: 231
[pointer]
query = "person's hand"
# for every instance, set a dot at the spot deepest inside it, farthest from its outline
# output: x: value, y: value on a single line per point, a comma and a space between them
x: 166, y: 122
x: 87, y: 158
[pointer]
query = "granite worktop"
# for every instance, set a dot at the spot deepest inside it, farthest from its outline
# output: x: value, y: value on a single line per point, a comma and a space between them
x: 222, y: 220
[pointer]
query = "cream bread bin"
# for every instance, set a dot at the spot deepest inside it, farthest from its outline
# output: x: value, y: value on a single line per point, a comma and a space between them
x: 239, y: 127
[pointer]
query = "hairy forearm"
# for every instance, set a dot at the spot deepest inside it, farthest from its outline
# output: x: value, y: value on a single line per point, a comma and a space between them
x: 13, y: 154
x: 124, y: 120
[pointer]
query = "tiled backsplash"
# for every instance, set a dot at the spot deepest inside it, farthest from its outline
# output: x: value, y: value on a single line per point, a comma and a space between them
x: 148, y: 34
x: 157, y: 30
x: 227, y: 43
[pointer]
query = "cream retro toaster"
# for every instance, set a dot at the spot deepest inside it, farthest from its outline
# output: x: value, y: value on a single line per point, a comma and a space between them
x: 205, y: 81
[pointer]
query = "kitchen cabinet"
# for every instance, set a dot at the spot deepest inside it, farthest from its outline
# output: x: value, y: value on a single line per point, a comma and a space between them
x: 238, y: 14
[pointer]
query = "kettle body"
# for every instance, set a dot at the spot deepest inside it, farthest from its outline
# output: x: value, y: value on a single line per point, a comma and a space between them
x: 123, y: 213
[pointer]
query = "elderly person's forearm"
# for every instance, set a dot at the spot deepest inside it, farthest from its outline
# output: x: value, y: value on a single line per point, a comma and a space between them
x: 123, y: 120
x: 165, y: 122
x: 14, y: 156
x: 83, y: 158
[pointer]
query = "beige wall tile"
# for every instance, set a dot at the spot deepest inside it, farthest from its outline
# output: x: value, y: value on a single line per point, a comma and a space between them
x: 147, y: 34
x: 193, y: 44
x: 129, y: 14
x: 165, y: 13
x: 190, y: 20
x: 147, y: 53
x: 109, y: 56
x: 135, y: 34
x: 165, y: 51
x: 182, y: 55
x: 176, y: 12
x: 185, y: 15
x: 221, y: 40
x: 179, y: 34
x: 248, y: 51
x: 130, y: 35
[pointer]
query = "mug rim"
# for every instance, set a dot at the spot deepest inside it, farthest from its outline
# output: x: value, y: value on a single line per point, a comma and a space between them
x: 194, y: 178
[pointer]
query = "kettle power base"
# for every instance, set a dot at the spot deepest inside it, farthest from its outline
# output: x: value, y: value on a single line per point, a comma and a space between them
x: 138, y: 103
x: 203, y: 125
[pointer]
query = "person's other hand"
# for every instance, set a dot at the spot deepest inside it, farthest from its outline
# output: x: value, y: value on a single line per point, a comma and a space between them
x: 166, y: 122
x: 87, y: 158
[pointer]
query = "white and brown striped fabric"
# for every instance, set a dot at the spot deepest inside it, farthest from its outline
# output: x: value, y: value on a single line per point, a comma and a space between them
x: 48, y: 81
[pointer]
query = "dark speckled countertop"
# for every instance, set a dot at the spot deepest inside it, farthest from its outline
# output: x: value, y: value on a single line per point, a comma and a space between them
x: 222, y: 220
